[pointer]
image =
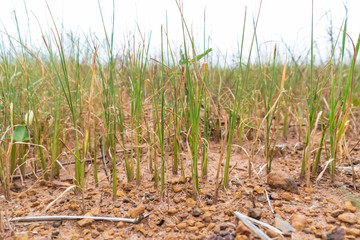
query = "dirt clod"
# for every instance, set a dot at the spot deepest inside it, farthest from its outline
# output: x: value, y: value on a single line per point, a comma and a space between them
x: 75, y: 236
x: 74, y: 206
x: 337, y: 233
x: 337, y: 212
x: 141, y: 229
x: 278, y: 179
x: 287, y: 196
x: 352, y: 231
x: 191, y: 229
x: 348, y: 218
x: 95, y: 234
x: 349, y: 207
x: 197, y: 212
x: 241, y: 229
x: 182, y: 225
x: 255, y: 213
x: 172, y: 211
x: 226, y: 235
x: 57, y: 224
x: 21, y: 236
x: 136, y: 212
x: 19, y: 212
x: 298, y: 221
x: 271, y: 233
x: 86, y: 221
x: 190, y: 202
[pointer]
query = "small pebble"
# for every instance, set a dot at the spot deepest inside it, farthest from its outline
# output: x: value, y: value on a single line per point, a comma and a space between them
x: 57, y: 224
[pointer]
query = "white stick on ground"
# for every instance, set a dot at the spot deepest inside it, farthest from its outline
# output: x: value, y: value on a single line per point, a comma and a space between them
x: 66, y: 190
x: 268, y: 200
x: 58, y: 218
x: 254, y: 228
x: 238, y: 215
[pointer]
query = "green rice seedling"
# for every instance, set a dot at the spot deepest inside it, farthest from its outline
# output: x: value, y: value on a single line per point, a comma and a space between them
x: 206, y: 127
x: 162, y: 125
x: 62, y: 76
x: 194, y: 97
x: 238, y: 98
x: 177, y: 127
x: 26, y: 83
x: 137, y: 62
x: 175, y: 77
x: 19, y: 89
x: 337, y: 120
x: 38, y: 139
x: 18, y: 139
x: 313, y: 102
x: 338, y: 124
x: 16, y: 78
x: 194, y: 90
x: 206, y: 138
x: 158, y: 88
x: 176, y: 119
x: 159, y: 125
x: 267, y: 91
x: 320, y: 148
x: 122, y: 138
x: 31, y: 86
x: 88, y: 131
x: 333, y: 109
x: 109, y: 97
x: 175, y: 115
x: 217, y: 123
x: 333, y: 105
x: 137, y: 73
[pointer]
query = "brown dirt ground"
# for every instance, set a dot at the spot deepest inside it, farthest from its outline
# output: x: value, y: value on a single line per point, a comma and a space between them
x: 316, y: 203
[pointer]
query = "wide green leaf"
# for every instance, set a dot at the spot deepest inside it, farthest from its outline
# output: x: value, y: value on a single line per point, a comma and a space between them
x: 20, y: 134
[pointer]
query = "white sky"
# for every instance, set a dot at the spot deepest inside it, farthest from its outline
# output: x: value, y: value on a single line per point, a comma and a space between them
x: 287, y: 20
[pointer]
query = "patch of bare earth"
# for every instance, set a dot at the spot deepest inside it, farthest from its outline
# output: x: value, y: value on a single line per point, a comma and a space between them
x: 321, y: 211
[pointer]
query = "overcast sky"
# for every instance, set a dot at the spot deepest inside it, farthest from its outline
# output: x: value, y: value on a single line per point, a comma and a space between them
x: 280, y: 21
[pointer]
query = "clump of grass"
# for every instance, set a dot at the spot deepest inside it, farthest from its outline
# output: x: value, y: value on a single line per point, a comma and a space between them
x: 338, y: 110
x: 108, y: 84
x: 312, y: 107
x: 240, y: 96
x: 72, y: 99
x: 194, y: 91
x: 338, y: 121
x: 267, y: 91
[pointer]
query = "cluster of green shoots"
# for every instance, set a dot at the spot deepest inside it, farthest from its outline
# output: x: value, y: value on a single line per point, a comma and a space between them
x: 65, y: 106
